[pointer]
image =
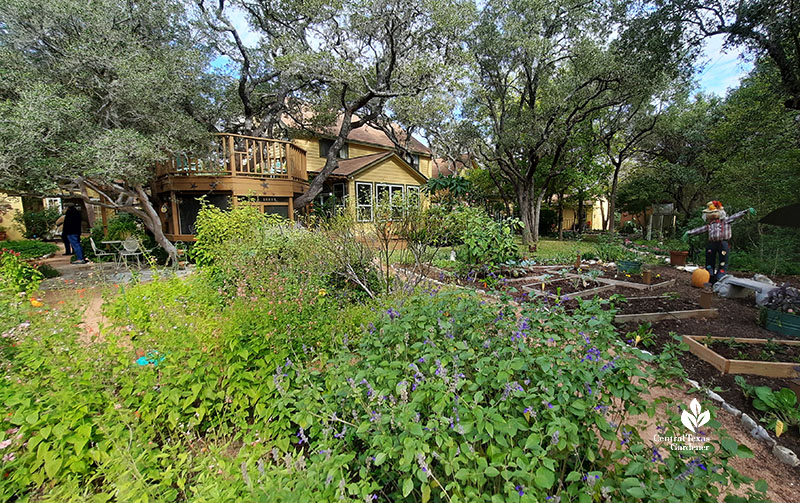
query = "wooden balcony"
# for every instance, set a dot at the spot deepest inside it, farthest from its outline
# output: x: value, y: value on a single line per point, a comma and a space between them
x: 241, y: 156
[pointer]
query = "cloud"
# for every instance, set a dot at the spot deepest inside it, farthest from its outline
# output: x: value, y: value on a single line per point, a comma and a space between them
x: 721, y: 70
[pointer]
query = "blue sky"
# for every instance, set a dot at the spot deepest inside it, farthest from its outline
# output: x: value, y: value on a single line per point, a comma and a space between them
x: 722, y: 70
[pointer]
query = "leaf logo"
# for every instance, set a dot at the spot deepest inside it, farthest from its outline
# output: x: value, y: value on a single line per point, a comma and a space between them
x: 695, y: 419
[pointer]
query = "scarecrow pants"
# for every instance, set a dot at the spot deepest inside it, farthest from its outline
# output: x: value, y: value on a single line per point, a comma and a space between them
x: 714, y: 249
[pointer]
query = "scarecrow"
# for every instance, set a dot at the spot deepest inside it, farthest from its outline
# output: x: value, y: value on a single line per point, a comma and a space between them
x: 718, y: 226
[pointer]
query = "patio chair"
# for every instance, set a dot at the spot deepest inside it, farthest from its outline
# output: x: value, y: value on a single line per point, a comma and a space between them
x: 101, y: 253
x: 130, y: 248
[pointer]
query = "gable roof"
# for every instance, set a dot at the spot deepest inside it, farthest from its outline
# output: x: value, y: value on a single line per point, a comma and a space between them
x: 350, y: 167
x: 366, y: 134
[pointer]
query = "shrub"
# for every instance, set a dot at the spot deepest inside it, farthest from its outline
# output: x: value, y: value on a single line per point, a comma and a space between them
x: 17, y: 275
x: 448, y: 398
x: 37, y: 224
x: 30, y: 249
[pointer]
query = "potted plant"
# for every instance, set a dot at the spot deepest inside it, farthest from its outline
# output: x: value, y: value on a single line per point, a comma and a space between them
x: 678, y: 251
x: 781, y: 311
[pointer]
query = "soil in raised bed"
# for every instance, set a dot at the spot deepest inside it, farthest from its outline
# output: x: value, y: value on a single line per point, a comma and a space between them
x: 725, y: 385
x: 736, y: 318
x: 654, y: 304
x: 756, y: 352
x: 632, y: 277
x: 565, y: 286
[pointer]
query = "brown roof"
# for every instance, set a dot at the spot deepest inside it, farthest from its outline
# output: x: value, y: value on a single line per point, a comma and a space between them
x: 349, y: 166
x: 443, y: 167
x: 369, y: 134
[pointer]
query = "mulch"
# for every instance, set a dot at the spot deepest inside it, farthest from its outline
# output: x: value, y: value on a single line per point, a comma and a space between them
x: 757, y: 352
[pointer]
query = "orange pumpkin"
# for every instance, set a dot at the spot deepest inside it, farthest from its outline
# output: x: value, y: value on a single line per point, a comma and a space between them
x: 700, y: 277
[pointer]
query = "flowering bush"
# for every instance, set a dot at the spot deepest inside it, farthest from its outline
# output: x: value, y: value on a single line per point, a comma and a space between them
x: 452, y: 399
x: 16, y: 274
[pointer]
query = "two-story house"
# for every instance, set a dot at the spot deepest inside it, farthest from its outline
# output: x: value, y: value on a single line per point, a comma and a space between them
x: 271, y: 173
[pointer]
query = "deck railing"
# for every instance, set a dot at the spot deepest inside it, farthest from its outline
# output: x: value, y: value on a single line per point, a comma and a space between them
x: 239, y: 155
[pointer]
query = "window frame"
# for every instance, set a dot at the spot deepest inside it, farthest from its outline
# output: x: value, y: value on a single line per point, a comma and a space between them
x: 392, y: 187
x: 417, y: 189
x: 371, y: 204
x: 344, y: 152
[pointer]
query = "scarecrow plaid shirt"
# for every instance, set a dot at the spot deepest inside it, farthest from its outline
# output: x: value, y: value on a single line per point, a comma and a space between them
x: 719, y: 230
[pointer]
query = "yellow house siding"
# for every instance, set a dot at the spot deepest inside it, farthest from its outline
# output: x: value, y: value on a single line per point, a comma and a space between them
x: 313, y: 161
x: 390, y: 171
x: 8, y: 220
x: 425, y: 166
x: 358, y: 150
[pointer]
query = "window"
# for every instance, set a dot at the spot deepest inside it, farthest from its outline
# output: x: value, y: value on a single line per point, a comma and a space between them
x: 364, y: 202
x: 333, y: 198
x: 395, y: 195
x: 412, y: 160
x: 325, y: 146
x: 412, y: 192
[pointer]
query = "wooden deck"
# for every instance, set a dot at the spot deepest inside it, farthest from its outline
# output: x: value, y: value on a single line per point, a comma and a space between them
x: 262, y: 171
x: 241, y: 156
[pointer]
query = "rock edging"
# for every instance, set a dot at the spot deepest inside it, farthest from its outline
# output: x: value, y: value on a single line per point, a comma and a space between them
x: 784, y: 454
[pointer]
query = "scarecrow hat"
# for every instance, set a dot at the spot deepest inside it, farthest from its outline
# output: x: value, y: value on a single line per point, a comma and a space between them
x: 713, y: 210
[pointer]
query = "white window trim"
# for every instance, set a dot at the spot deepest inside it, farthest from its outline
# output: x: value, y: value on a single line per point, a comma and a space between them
x: 415, y: 188
x: 392, y: 187
x: 371, y: 204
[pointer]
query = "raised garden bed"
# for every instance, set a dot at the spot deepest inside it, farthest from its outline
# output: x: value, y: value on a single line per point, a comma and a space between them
x: 698, y: 346
x: 571, y: 286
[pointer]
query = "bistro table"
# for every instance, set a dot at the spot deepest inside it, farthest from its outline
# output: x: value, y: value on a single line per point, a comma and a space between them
x: 115, y: 246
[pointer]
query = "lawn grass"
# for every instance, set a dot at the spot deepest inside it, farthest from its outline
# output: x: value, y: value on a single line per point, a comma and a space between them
x: 549, y: 249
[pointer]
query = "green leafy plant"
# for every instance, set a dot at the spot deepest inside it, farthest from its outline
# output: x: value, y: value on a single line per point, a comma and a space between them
x: 17, y: 275
x: 28, y: 249
x: 37, y: 224
x: 778, y: 405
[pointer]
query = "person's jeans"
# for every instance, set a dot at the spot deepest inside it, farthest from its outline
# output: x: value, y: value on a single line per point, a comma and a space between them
x: 75, y: 241
x: 67, y: 246
x: 716, y: 249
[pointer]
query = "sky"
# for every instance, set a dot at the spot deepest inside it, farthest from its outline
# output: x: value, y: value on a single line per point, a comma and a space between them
x: 723, y: 70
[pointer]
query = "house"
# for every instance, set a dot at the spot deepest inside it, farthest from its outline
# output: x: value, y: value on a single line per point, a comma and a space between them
x: 271, y: 173
x: 370, y: 169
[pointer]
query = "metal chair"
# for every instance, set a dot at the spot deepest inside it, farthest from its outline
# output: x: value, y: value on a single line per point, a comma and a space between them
x: 130, y: 248
x: 100, y: 253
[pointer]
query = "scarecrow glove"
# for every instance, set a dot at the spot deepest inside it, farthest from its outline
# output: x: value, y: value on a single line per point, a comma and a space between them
x: 752, y: 211
x: 685, y: 236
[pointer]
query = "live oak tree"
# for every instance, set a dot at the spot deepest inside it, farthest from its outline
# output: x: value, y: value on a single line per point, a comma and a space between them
x: 343, y: 63
x: 768, y: 28
x: 92, y: 94
x: 539, y: 70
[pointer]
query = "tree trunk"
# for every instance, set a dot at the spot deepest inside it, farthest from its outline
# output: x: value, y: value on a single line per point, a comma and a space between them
x: 537, y: 211
x: 526, y: 213
x: 581, y: 216
x: 561, y: 216
x: 612, y: 199
x: 149, y: 216
x: 89, y: 206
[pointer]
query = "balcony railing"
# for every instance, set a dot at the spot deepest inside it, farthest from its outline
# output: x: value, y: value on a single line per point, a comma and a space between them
x: 242, y: 156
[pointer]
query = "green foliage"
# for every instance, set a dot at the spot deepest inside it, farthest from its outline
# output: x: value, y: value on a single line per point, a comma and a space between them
x: 448, y: 400
x: 780, y: 405
x: 37, y: 224
x: 30, y: 249
x: 16, y: 274
x: 215, y: 228
x: 488, y: 242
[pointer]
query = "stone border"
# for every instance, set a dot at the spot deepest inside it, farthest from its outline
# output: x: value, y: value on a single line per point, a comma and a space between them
x: 758, y: 432
x: 784, y: 454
